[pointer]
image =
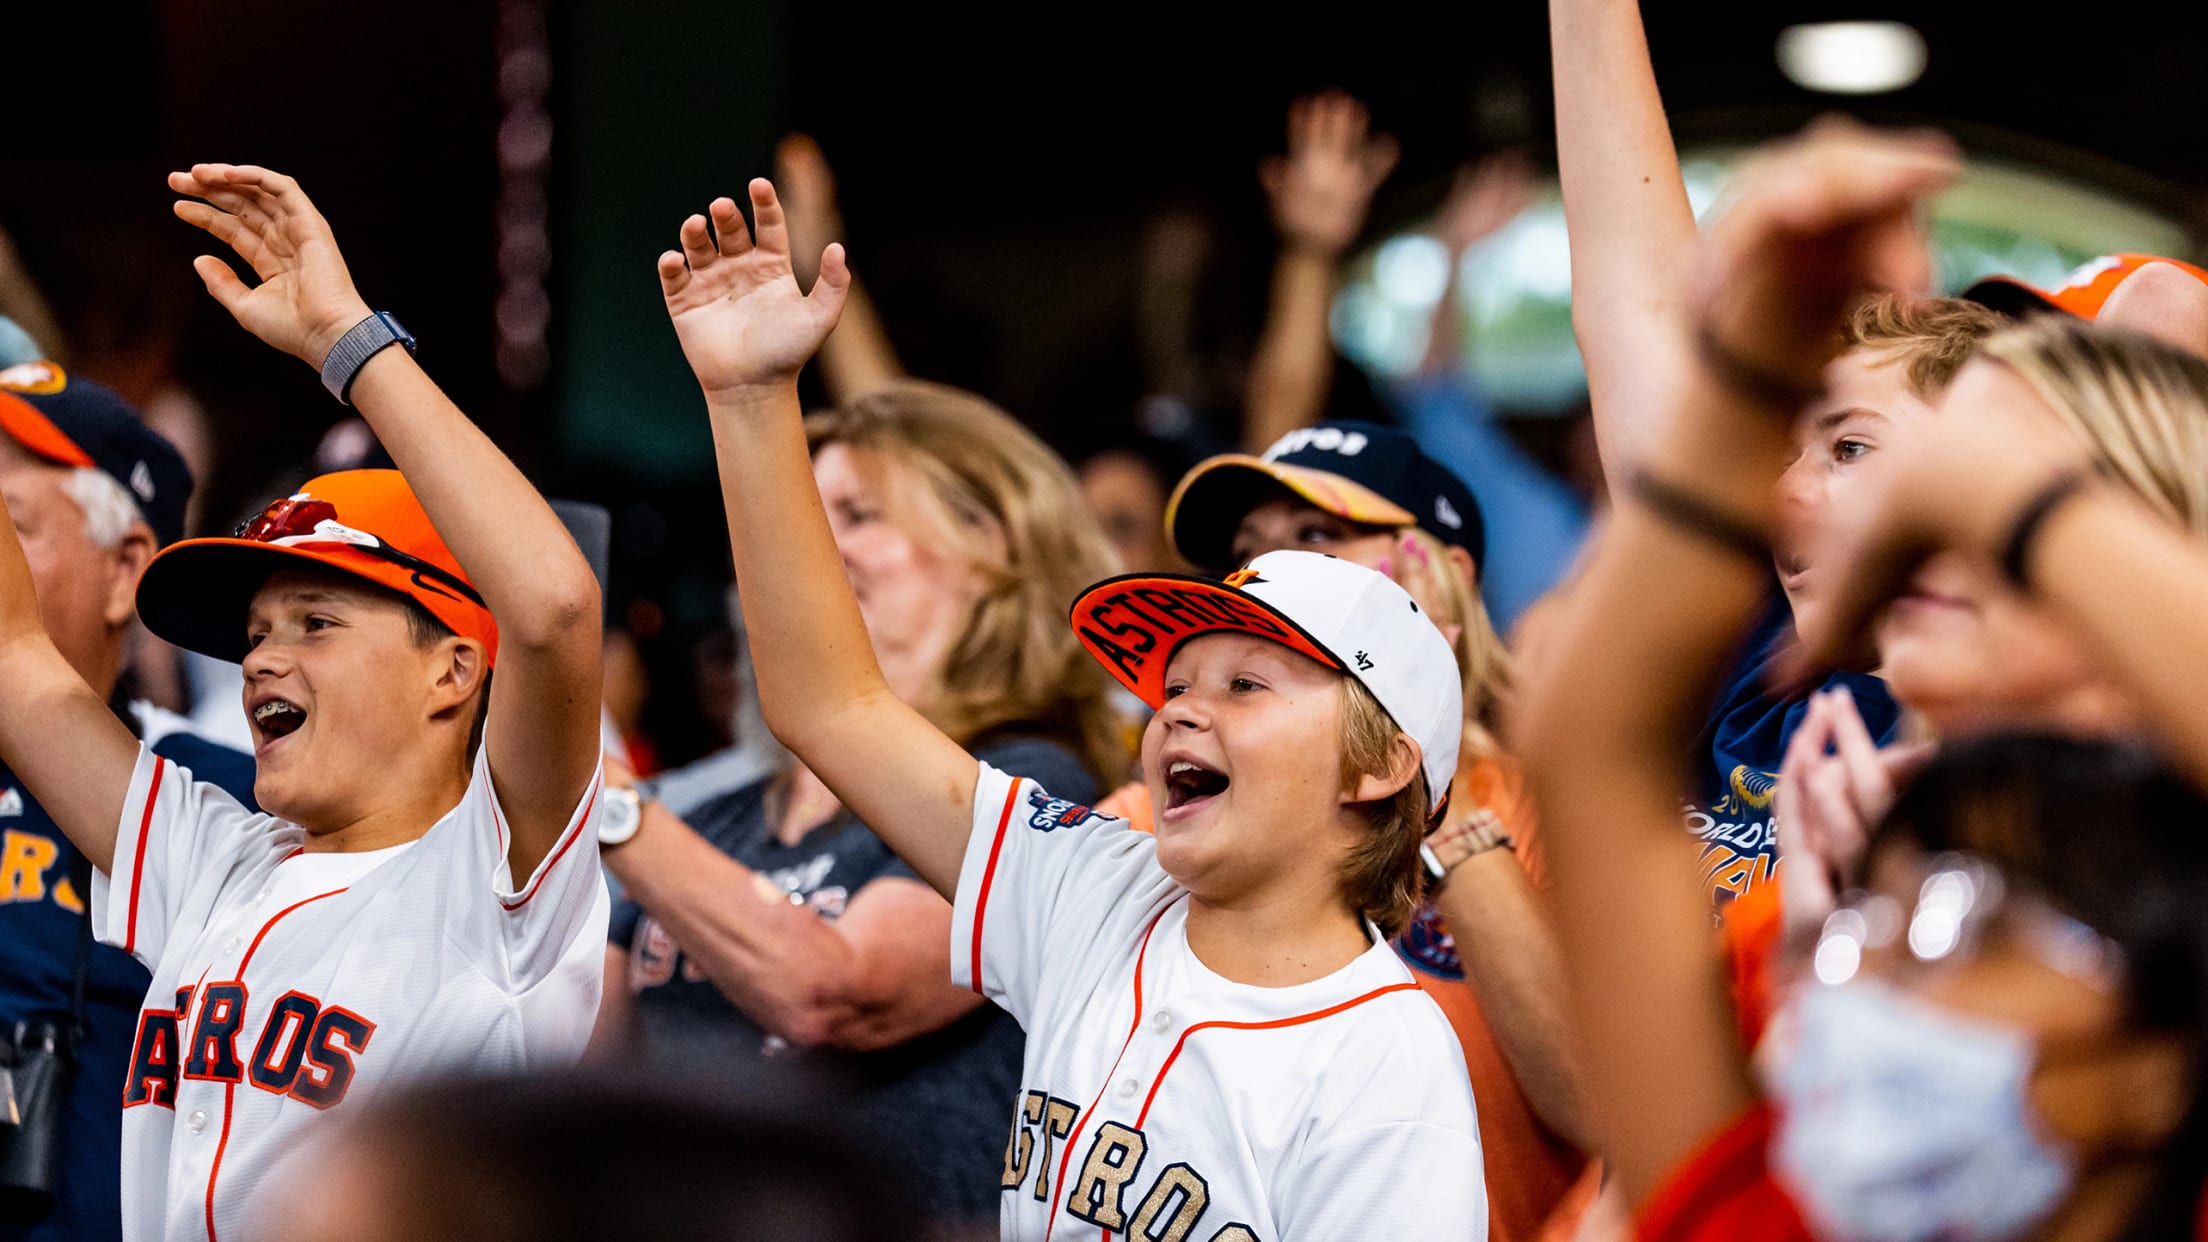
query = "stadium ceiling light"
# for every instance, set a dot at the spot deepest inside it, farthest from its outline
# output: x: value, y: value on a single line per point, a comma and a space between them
x: 1852, y: 58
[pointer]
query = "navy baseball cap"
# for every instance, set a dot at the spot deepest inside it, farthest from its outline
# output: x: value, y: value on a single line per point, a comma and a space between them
x: 1362, y: 472
x: 74, y: 422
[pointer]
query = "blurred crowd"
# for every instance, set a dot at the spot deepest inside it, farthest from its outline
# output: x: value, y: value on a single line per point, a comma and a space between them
x: 1797, y: 832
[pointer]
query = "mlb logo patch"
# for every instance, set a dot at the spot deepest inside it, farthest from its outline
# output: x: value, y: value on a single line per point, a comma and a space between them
x: 1052, y: 814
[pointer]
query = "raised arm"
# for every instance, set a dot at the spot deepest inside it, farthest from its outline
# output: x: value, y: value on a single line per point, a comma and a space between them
x: 857, y: 357
x: 747, y: 331
x: 1632, y: 230
x: 56, y: 732
x: 542, y: 730
x: 1320, y: 193
x: 1660, y: 606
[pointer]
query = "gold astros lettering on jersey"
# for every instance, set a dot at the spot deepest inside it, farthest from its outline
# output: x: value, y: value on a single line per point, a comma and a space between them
x: 1173, y: 1206
x: 1115, y: 1155
x: 1054, y: 1119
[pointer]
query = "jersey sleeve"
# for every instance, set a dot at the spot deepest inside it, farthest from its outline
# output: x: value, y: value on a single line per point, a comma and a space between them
x: 1045, y: 880
x: 539, y: 918
x: 181, y: 848
x: 1406, y: 1179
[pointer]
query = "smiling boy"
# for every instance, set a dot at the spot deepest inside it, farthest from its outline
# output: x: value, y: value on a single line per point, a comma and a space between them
x: 370, y: 926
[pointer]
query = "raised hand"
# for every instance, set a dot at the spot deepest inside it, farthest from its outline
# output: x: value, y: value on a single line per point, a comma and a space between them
x: 1485, y: 197
x: 802, y: 174
x: 736, y: 307
x: 1321, y: 190
x: 1816, y: 221
x: 305, y: 299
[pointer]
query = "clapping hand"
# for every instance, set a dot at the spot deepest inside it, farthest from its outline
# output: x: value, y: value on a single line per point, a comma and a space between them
x: 1321, y: 189
x: 743, y: 324
x: 1834, y: 788
x: 305, y: 300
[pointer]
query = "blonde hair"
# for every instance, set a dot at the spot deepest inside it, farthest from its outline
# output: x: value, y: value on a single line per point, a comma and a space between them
x: 1381, y: 878
x: 2141, y: 404
x: 1000, y: 499
x: 1428, y: 573
x: 1933, y: 337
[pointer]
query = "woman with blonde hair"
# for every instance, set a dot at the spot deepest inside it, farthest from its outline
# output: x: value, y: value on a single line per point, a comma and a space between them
x: 772, y: 918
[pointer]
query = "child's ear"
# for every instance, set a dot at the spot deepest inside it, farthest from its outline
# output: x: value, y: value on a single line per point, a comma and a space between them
x: 460, y: 670
x: 1402, y: 763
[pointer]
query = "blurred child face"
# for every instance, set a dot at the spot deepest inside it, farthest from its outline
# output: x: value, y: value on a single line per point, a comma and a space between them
x: 1243, y: 763
x: 1289, y: 523
x: 341, y: 701
x: 1966, y: 649
x: 1867, y: 393
x: 914, y: 593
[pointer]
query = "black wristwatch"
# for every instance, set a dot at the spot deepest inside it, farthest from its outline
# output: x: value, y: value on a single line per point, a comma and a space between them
x: 369, y: 337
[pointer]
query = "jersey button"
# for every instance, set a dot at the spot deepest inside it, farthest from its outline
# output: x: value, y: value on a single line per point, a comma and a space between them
x: 1162, y: 1021
x: 230, y: 945
x: 1128, y: 1087
x: 197, y: 1122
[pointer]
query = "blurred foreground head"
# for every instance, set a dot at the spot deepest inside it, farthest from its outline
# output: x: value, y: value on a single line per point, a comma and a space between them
x: 588, y: 1158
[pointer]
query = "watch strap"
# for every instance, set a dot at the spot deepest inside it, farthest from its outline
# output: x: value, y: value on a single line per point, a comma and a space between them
x: 365, y: 340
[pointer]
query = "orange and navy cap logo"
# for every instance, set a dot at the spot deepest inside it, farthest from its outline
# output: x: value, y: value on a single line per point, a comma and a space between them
x: 1241, y: 578
x: 43, y: 378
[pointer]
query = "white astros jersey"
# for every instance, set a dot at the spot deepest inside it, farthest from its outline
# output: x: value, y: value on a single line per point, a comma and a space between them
x: 1161, y: 1101
x: 285, y: 983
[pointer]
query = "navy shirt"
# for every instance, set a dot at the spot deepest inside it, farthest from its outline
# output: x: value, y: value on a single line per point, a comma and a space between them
x: 942, y: 1103
x: 1738, y: 756
x: 42, y: 913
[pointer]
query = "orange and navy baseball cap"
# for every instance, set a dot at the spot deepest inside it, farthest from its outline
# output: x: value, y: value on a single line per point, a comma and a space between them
x: 1362, y: 472
x: 75, y: 422
x: 1351, y: 619
x: 2083, y: 293
x: 366, y: 523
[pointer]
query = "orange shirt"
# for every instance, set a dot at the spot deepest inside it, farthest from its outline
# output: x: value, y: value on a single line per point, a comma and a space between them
x: 1534, y: 1182
x: 1751, y: 935
x: 1725, y: 1193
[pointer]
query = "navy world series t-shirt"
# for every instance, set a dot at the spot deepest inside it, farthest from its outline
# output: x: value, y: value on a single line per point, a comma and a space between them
x: 941, y: 1105
x: 1737, y: 758
x: 42, y: 895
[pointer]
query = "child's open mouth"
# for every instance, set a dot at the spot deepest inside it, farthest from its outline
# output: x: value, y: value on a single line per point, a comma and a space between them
x: 1187, y: 783
x: 277, y: 718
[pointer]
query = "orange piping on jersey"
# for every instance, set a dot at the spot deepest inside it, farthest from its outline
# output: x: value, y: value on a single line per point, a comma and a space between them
x: 1073, y: 1136
x: 229, y: 1090
x: 138, y: 857
x: 988, y: 878
x: 1275, y: 1024
x: 574, y: 833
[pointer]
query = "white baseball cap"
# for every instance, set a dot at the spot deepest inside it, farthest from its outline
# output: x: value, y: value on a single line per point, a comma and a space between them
x: 1345, y: 616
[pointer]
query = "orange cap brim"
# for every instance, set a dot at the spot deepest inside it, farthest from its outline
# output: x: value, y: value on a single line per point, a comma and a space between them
x: 36, y: 432
x: 195, y: 594
x: 1134, y: 623
x: 1213, y: 498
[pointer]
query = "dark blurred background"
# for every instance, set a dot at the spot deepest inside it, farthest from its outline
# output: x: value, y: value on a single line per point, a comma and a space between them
x: 502, y: 174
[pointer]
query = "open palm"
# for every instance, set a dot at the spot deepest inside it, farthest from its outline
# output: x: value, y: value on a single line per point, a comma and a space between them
x: 736, y: 307
x: 305, y: 299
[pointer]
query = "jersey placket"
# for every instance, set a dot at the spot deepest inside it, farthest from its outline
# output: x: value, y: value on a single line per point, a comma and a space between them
x: 207, y: 1124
